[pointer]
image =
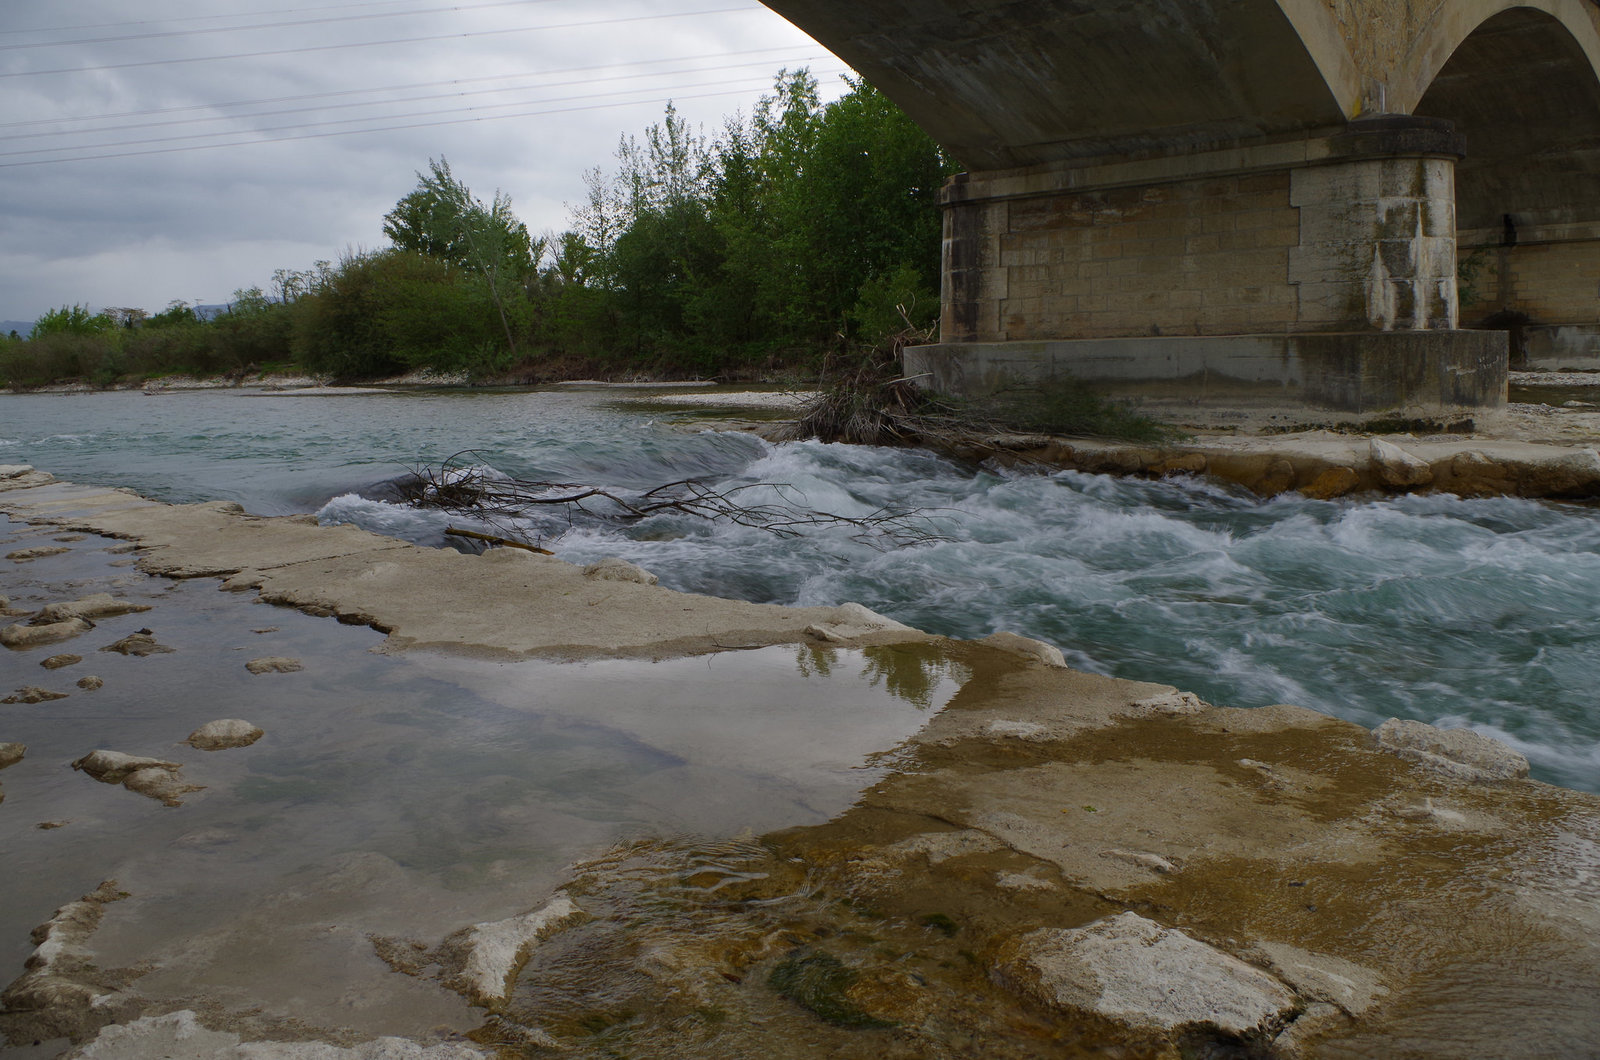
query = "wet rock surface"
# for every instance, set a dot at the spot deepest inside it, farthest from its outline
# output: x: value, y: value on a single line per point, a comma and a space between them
x: 11, y: 754
x: 224, y: 734
x: 22, y: 555
x: 33, y: 694
x: 1134, y: 971
x: 139, y: 645
x: 56, y: 662
x: 62, y: 993
x: 1398, y: 910
x: 18, y: 635
x: 1458, y: 753
x: 150, y: 777
x: 274, y: 665
x: 99, y: 605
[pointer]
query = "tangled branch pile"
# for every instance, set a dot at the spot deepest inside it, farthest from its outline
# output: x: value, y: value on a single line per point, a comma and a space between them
x: 871, y: 403
x: 461, y: 486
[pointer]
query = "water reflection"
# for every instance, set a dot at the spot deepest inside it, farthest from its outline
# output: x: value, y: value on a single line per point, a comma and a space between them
x: 397, y: 795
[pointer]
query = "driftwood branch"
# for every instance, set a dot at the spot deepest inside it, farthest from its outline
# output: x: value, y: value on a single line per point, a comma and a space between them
x: 505, y: 542
x: 460, y: 486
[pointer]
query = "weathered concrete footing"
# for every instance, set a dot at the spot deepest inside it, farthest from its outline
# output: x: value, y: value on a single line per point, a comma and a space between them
x: 1350, y: 372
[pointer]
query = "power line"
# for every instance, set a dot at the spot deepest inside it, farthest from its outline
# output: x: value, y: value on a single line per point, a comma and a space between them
x: 379, y: 43
x: 199, y: 18
x: 271, y: 25
x: 388, y: 88
x: 346, y: 121
x: 387, y: 128
x: 370, y: 103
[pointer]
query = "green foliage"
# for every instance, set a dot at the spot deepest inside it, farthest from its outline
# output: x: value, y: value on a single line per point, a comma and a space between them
x: 176, y: 315
x: 72, y: 320
x: 795, y: 234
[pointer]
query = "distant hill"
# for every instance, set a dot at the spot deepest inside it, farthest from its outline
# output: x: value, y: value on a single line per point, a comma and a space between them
x: 21, y: 327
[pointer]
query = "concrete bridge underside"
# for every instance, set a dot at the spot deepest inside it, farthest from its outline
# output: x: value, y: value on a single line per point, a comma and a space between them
x: 1349, y: 204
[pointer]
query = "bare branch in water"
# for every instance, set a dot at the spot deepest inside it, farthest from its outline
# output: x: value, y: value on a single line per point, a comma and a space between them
x: 461, y: 487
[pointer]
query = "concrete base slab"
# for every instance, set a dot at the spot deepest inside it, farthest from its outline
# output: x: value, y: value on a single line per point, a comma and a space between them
x: 1349, y: 372
x: 1562, y: 347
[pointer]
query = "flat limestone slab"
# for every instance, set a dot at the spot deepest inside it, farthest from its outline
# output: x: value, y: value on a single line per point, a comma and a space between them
x: 505, y: 601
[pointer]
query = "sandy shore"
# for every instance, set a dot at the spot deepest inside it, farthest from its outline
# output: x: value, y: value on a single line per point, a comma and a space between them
x: 1059, y: 864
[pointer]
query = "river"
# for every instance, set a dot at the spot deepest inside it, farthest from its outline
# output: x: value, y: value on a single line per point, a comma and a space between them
x: 1480, y: 613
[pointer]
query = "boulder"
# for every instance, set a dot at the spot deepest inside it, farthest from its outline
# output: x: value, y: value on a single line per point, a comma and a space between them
x: 1150, y: 978
x: 615, y: 569
x: 56, y: 662
x: 21, y: 636
x: 1457, y: 753
x: 139, y: 645
x: 90, y: 683
x: 112, y: 767
x: 1397, y: 468
x: 150, y: 777
x: 11, y: 753
x: 224, y: 734
x: 274, y: 664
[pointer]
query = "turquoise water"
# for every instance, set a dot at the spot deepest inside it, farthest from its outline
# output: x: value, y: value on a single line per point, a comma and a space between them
x: 1482, y: 613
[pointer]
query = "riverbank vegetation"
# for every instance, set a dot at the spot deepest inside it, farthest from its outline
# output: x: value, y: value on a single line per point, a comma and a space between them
x: 800, y: 232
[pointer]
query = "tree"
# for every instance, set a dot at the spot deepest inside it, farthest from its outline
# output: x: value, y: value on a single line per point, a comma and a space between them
x: 442, y: 219
x: 72, y: 320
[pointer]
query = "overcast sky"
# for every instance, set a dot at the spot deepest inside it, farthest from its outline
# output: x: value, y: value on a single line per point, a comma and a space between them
x: 113, y: 191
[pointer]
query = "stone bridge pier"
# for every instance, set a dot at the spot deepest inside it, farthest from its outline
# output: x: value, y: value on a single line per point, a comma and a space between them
x: 1346, y: 205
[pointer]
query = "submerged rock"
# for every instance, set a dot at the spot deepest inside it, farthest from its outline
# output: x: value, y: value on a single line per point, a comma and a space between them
x: 139, y: 644
x: 1458, y: 753
x: 62, y: 994
x: 274, y: 664
x: 224, y: 734
x: 22, y: 555
x: 180, y: 1036
x: 11, y: 753
x: 150, y: 777
x: 100, y: 605
x: 90, y: 683
x: 110, y: 767
x: 615, y: 569
x: 33, y: 694
x: 1147, y: 977
x: 21, y: 636
x: 488, y: 955
x: 158, y: 783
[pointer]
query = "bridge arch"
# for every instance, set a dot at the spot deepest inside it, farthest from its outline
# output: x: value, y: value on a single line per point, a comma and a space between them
x: 1023, y: 82
x: 1453, y: 23
x: 1522, y: 87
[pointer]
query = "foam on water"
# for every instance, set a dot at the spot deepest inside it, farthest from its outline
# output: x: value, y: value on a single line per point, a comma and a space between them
x: 1466, y: 612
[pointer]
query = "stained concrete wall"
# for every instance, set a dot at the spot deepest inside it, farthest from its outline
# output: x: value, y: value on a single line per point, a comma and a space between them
x: 1358, y: 373
x: 1339, y: 233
